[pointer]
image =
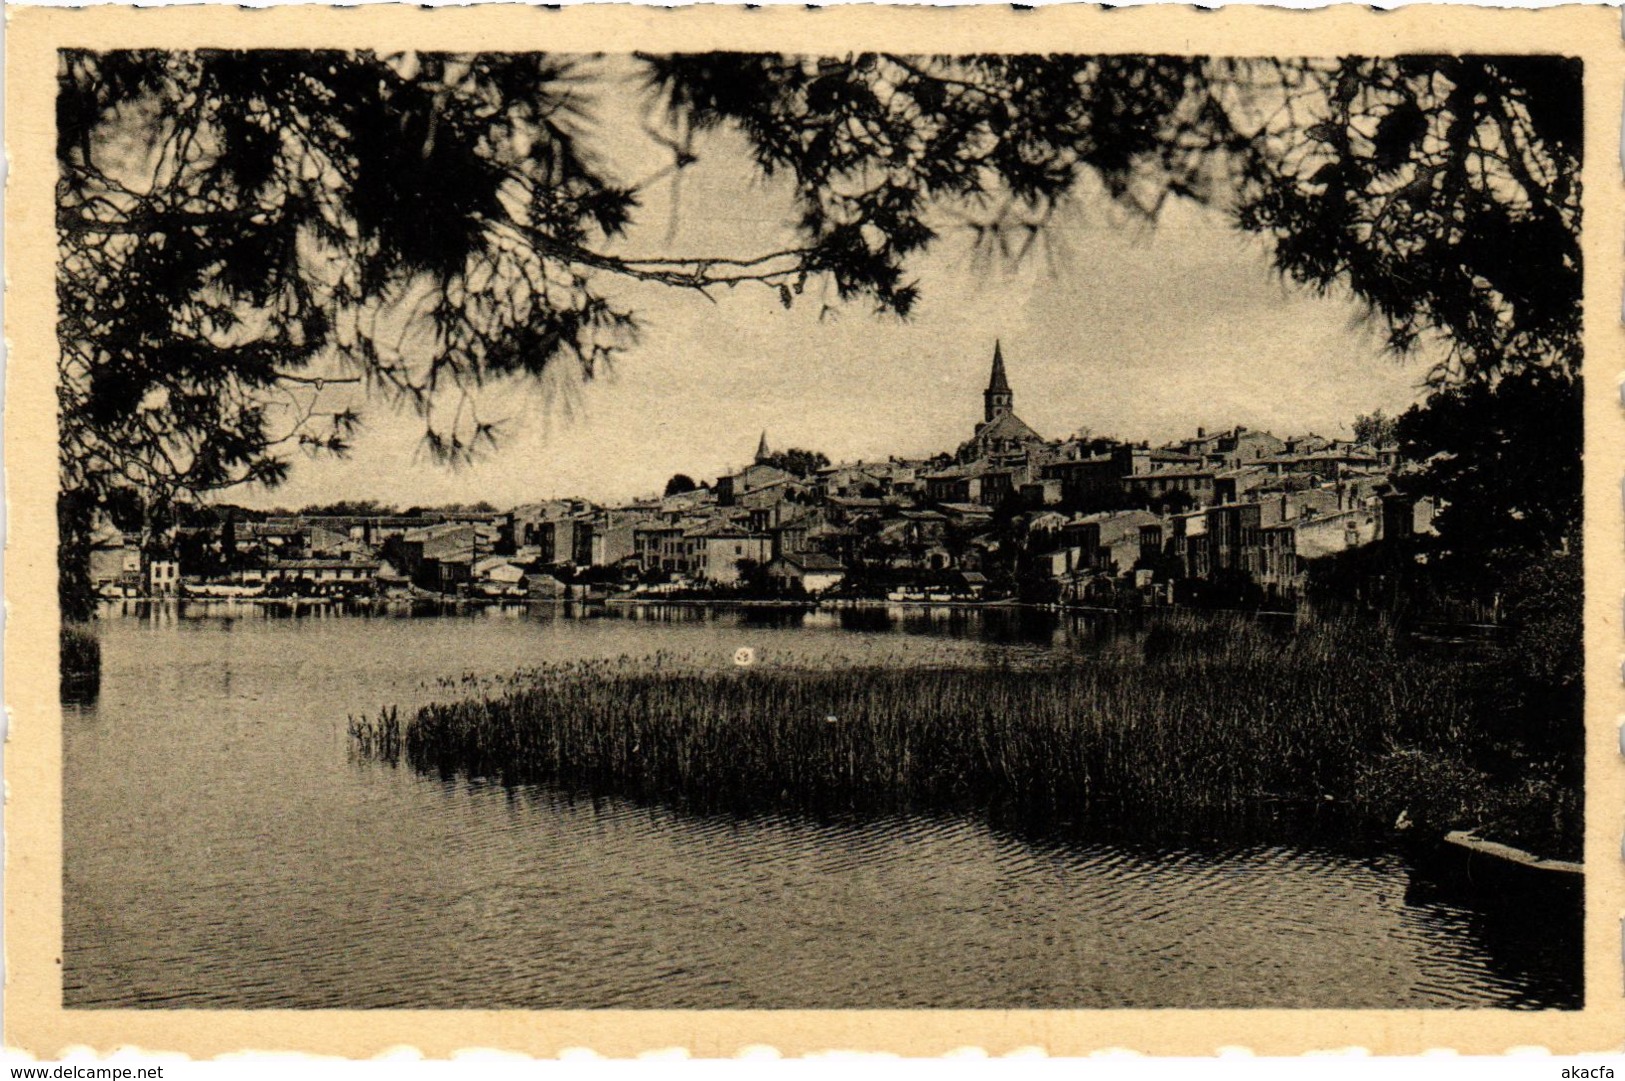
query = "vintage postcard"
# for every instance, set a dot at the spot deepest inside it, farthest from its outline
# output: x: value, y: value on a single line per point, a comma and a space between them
x: 873, y: 528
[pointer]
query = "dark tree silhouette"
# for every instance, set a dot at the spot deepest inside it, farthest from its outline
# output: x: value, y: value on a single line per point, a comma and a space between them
x: 352, y: 508
x: 1443, y: 190
x: 802, y: 463
x: 1505, y: 461
x: 680, y: 483
x: 1375, y: 429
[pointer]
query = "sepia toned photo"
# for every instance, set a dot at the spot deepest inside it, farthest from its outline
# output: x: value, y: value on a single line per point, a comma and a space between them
x: 818, y: 528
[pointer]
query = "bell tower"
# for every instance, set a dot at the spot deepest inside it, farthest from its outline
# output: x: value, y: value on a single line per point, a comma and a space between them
x: 997, y: 400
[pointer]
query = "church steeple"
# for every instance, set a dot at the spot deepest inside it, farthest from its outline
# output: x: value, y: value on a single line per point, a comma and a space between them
x: 762, y: 453
x: 998, y: 399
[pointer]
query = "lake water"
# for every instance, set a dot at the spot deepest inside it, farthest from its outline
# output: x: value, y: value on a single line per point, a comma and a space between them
x: 222, y: 848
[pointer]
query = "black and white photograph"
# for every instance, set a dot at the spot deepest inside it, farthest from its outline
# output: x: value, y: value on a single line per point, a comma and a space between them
x: 819, y: 530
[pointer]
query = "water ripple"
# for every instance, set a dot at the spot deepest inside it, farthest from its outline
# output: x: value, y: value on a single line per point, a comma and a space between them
x: 265, y: 870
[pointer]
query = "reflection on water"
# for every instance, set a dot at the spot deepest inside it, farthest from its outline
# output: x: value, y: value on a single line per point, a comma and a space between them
x: 221, y: 849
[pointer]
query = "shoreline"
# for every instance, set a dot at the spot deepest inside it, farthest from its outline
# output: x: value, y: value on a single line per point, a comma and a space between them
x: 1440, y: 633
x: 1056, y: 742
x: 789, y: 603
x: 1200, y: 634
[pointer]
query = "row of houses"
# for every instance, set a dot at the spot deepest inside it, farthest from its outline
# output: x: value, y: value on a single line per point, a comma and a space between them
x: 120, y: 568
x: 1057, y: 518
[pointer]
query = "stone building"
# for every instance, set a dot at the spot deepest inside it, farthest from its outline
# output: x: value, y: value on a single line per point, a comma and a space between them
x: 1001, y: 432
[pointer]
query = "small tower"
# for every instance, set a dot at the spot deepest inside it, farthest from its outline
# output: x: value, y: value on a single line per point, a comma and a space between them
x: 762, y: 453
x: 997, y: 400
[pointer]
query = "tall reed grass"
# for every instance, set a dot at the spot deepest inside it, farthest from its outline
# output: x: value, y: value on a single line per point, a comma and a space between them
x: 1198, y: 715
x: 79, y: 662
x: 377, y: 738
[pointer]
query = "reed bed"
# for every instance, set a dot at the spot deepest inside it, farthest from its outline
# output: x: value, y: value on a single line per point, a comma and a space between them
x: 80, y: 662
x: 378, y: 738
x: 1194, y: 715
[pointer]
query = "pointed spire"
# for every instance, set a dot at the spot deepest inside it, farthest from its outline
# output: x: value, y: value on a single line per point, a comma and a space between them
x: 998, y: 384
x: 762, y: 453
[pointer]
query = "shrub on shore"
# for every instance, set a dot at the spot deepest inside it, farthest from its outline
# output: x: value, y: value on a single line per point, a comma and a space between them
x: 1199, y: 716
x: 80, y: 662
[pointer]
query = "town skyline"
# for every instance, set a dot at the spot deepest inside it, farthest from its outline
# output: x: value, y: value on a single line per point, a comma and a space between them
x: 766, y: 446
x: 1234, y: 514
x: 514, y: 472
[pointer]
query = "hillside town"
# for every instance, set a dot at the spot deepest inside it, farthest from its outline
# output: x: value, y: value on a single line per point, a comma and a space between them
x: 1235, y: 516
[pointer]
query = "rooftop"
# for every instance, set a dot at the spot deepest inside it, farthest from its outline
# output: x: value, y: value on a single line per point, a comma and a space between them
x: 1007, y: 427
x: 813, y: 561
x: 323, y: 564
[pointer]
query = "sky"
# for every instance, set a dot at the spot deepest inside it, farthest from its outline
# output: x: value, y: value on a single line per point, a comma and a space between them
x: 1127, y: 328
